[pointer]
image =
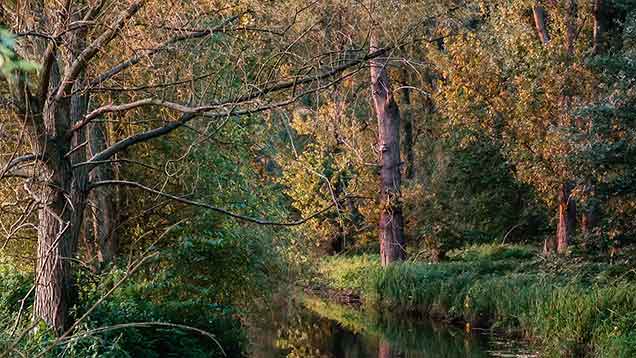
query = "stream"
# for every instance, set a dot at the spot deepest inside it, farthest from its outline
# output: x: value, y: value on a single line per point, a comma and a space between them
x: 306, y: 326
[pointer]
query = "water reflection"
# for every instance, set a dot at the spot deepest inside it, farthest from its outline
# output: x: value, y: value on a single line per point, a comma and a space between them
x: 310, y: 327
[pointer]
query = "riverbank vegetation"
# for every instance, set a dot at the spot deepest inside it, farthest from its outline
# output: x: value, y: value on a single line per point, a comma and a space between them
x: 164, y: 167
x: 564, y: 308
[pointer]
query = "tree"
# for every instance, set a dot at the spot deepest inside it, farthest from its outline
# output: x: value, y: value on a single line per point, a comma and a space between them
x: 391, y: 226
x: 87, y: 76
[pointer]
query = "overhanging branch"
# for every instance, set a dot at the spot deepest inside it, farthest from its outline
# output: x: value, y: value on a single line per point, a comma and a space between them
x: 208, y: 206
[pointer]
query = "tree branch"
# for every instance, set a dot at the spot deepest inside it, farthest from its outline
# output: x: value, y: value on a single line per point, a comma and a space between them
x: 137, y: 58
x: 207, y: 206
x: 89, y: 52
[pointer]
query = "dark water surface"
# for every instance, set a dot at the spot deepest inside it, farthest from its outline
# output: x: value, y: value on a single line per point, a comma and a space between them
x: 305, y: 326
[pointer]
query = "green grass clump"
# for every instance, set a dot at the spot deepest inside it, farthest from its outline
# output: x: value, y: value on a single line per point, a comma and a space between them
x: 492, y: 252
x: 584, y: 310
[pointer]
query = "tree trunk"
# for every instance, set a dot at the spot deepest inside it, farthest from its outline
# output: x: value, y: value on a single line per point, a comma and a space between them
x: 540, y: 24
x: 591, y: 217
x: 61, y: 192
x: 600, y: 26
x: 567, y: 218
x: 391, y: 228
x: 101, y: 213
x: 62, y: 198
x: 407, y: 111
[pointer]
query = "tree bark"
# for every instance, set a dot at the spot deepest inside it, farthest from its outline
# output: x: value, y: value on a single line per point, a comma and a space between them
x: 407, y: 121
x: 60, y: 218
x: 600, y: 26
x: 61, y: 192
x: 540, y: 24
x: 101, y: 207
x: 391, y: 227
x: 567, y: 218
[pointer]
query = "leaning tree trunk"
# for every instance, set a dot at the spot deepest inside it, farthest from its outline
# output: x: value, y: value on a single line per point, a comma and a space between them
x: 391, y: 228
x: 567, y: 218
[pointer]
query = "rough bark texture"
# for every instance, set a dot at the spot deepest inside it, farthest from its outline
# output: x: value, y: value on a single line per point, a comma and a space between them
x: 59, y: 189
x: 391, y: 228
x: 567, y: 217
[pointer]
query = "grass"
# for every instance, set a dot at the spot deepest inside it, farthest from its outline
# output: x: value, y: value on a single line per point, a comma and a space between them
x: 568, y: 307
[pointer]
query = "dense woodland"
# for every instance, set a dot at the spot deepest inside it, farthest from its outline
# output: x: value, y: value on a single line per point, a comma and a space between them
x: 167, y: 166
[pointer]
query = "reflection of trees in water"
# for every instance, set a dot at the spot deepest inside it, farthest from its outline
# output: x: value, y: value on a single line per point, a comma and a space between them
x: 323, y: 329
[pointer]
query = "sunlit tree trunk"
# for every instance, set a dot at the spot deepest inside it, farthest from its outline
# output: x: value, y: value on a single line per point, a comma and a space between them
x: 391, y: 228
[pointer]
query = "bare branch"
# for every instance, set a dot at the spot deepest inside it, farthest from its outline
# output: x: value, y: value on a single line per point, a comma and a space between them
x: 90, y: 51
x: 210, y: 207
x: 137, y: 58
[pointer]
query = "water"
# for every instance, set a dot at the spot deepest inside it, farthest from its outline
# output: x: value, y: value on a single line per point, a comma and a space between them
x: 306, y: 326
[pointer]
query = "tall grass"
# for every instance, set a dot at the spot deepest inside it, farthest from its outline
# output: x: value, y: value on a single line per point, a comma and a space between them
x: 566, y: 313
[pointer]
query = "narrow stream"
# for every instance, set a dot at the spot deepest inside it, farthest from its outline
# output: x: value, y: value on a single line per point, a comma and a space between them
x: 305, y: 326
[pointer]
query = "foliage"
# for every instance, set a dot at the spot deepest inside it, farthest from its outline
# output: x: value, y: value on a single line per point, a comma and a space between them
x: 9, y: 60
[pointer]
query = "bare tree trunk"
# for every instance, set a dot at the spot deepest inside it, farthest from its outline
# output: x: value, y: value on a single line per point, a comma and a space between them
x: 407, y: 121
x: 567, y: 217
x: 61, y: 192
x: 62, y: 199
x: 592, y: 215
x: 600, y: 26
x: 571, y: 34
x: 101, y: 208
x: 388, y: 114
x: 540, y: 23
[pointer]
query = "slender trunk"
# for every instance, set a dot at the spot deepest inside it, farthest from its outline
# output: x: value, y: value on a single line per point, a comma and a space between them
x: 407, y: 121
x: 571, y: 34
x: 567, y: 218
x: 540, y: 24
x: 591, y: 217
x: 391, y: 228
x: 600, y: 26
x: 101, y: 208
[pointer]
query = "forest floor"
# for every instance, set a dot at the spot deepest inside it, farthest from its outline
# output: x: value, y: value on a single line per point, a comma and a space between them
x: 571, y: 306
